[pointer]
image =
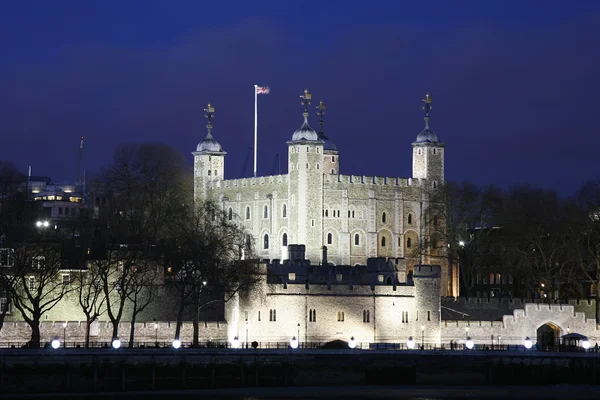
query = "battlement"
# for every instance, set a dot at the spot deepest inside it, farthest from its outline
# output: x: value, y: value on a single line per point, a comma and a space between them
x: 374, y: 180
x: 244, y: 182
x: 427, y: 271
x: 516, y: 302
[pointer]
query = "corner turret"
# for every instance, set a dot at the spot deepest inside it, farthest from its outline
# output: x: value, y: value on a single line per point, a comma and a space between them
x: 209, y: 159
x: 428, y: 151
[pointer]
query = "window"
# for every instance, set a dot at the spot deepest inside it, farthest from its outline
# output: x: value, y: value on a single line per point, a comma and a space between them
x: 266, y: 241
x: 409, y: 219
x: 428, y: 315
x: 405, y: 317
x: 399, y: 241
x: 312, y: 315
x: 31, y: 283
x: 247, y: 212
x: 383, y: 218
x: 266, y: 212
x: 329, y: 238
x: 245, y: 315
x: 389, y: 280
x: 259, y: 319
x: 291, y: 276
x: 327, y: 213
x: 284, y: 211
x: 38, y: 262
x: 284, y: 239
x: 60, y: 210
x: 383, y: 241
x: 356, y: 239
x: 332, y: 171
x: 366, y: 316
x: 408, y: 243
x: 272, y: 315
x: 332, y: 158
x: 352, y: 214
x: 209, y: 172
x: 340, y: 316
x: 230, y: 214
x: 433, y: 151
x: 4, y: 305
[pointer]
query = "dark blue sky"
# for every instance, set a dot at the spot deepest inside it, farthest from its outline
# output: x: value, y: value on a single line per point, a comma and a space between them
x: 515, y: 83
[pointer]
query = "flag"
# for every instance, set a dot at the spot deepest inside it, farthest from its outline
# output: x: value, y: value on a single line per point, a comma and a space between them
x: 262, y: 90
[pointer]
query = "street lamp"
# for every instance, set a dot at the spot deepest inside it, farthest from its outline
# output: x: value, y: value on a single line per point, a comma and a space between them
x: 235, y: 343
x: 410, y: 343
x: 352, y: 343
x: 527, y: 343
x: 176, y: 343
x: 469, y: 343
x: 55, y: 343
x: 299, y: 333
x: 65, y: 333
x: 422, y: 337
x: 294, y: 343
x: 246, y: 334
x: 585, y: 344
x: 116, y: 343
x: 42, y: 224
x: 461, y: 243
x: 466, y: 333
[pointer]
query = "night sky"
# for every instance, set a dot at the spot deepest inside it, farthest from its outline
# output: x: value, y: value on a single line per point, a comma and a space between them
x: 515, y: 84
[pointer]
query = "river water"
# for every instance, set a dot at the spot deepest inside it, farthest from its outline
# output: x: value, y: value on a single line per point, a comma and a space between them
x: 562, y: 392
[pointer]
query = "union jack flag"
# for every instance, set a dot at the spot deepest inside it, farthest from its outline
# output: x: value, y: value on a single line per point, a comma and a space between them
x: 262, y: 90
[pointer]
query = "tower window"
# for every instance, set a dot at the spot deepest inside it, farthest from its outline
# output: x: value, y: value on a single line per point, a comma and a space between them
x: 266, y: 212
x: 366, y: 316
x: 383, y: 241
x: 332, y: 171
x: 317, y: 166
x: 329, y: 238
x: 419, y: 152
x: 209, y: 172
x: 266, y: 241
x: 383, y: 218
x: 409, y: 218
x: 312, y: 315
x: 273, y: 315
x: 433, y: 151
x: 284, y: 211
x: 340, y: 316
x: 409, y: 243
x: 356, y: 239
x: 247, y: 212
x: 230, y: 214
x: 306, y: 165
x: 284, y: 239
x: 332, y: 158
x: 327, y: 213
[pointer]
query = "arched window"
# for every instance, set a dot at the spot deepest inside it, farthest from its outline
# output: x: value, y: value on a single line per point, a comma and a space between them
x: 266, y: 212
x: 230, y: 214
x: 247, y: 212
x: 408, y: 242
x: 327, y: 213
x: 284, y: 239
x: 383, y: 218
x: 248, y: 241
x: 356, y: 239
x: 284, y: 211
x: 266, y: 242
x: 329, y: 238
x: 383, y: 241
x: 332, y: 171
x: 410, y: 218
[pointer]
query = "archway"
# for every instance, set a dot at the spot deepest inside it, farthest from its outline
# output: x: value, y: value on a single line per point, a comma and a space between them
x: 548, y: 335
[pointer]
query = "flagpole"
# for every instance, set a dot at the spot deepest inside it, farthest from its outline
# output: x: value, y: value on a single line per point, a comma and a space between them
x: 255, y: 125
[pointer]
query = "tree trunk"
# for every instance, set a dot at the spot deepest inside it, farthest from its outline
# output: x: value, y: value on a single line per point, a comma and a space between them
x: 180, y: 315
x: 115, y: 333
x: 87, y: 331
x: 196, y: 323
x: 132, y: 330
x: 34, y: 343
x: 598, y: 301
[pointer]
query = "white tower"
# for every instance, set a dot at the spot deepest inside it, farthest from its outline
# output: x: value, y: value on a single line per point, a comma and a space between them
x: 305, y: 167
x: 209, y: 160
x: 428, y: 152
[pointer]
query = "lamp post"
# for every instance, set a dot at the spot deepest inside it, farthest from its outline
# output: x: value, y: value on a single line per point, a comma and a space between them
x: 65, y: 333
x: 246, y: 334
x: 410, y: 343
x: 352, y: 343
x: 298, y: 333
x: 466, y: 333
x: 422, y: 337
x: 294, y: 343
x: 469, y: 343
x: 527, y: 343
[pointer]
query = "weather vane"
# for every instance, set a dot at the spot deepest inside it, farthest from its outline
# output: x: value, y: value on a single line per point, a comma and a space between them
x: 210, y: 111
x: 321, y: 107
x: 427, y: 104
x: 306, y: 97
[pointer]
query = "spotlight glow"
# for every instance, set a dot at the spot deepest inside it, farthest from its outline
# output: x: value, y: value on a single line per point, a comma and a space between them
x: 352, y: 343
x: 176, y: 343
x: 116, y: 343
x: 410, y: 343
x: 294, y: 343
x: 55, y: 344
x: 469, y: 343
x: 527, y: 343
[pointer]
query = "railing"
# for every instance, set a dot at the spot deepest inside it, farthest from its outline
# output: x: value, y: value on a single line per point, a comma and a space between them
x: 447, y: 347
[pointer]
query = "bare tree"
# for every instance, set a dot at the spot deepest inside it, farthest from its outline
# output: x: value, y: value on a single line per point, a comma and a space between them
x: 38, y: 283
x: 142, y: 290
x: 90, y: 295
x: 210, y: 266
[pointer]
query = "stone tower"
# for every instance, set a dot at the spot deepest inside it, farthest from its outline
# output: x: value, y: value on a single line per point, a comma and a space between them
x: 331, y: 158
x: 305, y: 168
x: 426, y: 279
x: 428, y: 152
x: 209, y: 160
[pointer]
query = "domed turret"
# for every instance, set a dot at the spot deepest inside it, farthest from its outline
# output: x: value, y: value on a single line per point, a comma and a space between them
x: 305, y: 132
x: 209, y: 145
x: 427, y: 135
x: 428, y: 151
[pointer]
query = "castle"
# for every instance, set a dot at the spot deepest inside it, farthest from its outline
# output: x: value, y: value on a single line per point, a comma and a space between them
x: 354, y: 217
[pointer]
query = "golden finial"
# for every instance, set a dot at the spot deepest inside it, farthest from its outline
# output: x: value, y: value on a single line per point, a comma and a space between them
x: 427, y: 104
x: 306, y: 97
x: 321, y: 107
